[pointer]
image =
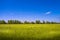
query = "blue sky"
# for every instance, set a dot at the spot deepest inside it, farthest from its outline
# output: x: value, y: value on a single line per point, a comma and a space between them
x: 30, y: 10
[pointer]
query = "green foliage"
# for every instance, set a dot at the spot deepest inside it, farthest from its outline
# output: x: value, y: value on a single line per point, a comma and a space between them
x: 38, y: 22
x: 2, y: 22
x: 54, y: 23
x: 14, y: 22
x: 26, y: 22
x: 43, y: 22
x: 47, y: 22
x: 32, y: 22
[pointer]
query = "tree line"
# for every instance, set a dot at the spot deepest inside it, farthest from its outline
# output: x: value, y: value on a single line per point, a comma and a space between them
x: 27, y: 22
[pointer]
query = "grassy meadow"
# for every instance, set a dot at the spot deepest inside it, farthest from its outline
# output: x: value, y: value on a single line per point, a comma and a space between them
x: 29, y: 31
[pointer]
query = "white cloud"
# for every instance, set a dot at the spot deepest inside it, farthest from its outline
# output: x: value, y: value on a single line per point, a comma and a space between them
x: 48, y: 13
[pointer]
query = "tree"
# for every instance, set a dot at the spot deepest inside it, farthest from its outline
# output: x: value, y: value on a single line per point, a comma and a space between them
x: 2, y: 22
x: 47, y: 22
x: 10, y: 21
x: 54, y: 22
x: 26, y: 22
x: 43, y: 22
x: 32, y: 22
x: 14, y: 22
x: 18, y: 22
x: 38, y: 22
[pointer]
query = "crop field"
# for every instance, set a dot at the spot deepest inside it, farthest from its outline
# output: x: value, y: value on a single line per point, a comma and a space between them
x: 29, y: 31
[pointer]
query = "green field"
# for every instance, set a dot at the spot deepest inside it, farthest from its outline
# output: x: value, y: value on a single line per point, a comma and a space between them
x: 29, y: 31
